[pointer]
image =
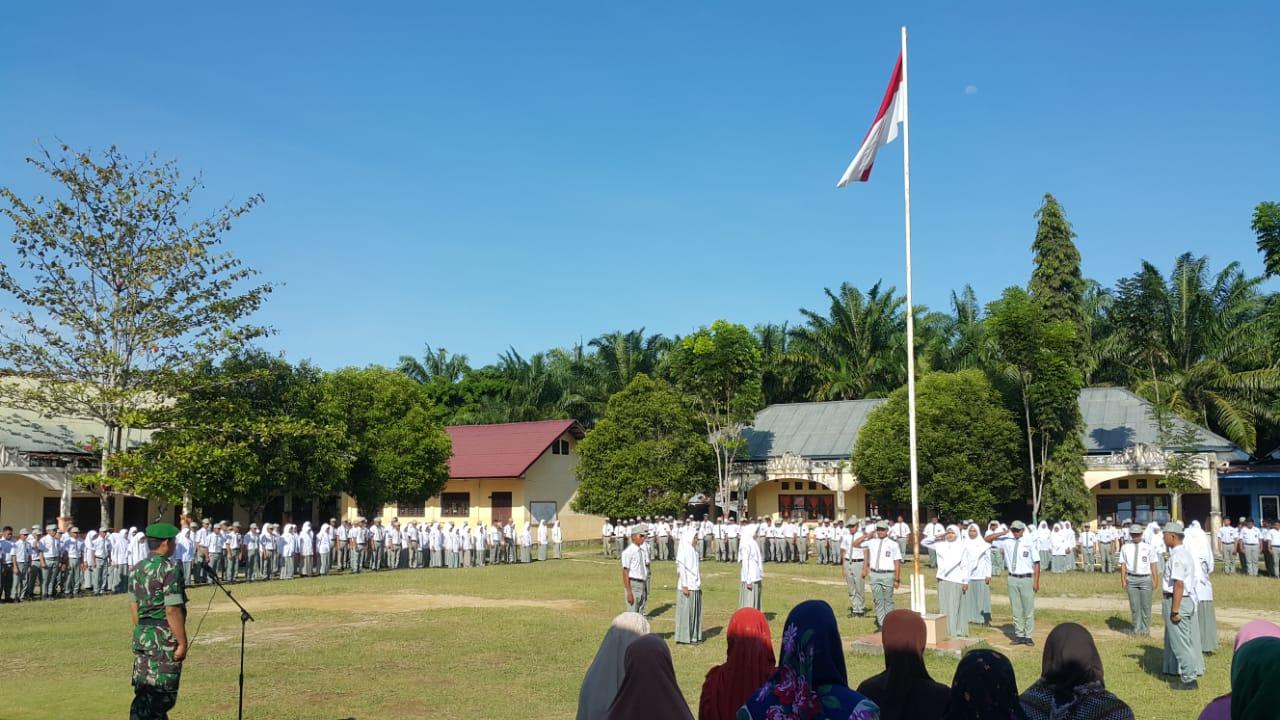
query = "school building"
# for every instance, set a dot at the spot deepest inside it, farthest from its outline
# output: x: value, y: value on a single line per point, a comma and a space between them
x: 39, y: 455
x: 796, y: 462
x: 517, y: 471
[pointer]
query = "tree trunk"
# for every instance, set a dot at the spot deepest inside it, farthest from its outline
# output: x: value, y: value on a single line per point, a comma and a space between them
x: 64, y: 507
x: 188, y: 502
x: 1031, y: 455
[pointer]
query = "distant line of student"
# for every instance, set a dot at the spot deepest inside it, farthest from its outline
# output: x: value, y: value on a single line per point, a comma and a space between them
x: 53, y: 564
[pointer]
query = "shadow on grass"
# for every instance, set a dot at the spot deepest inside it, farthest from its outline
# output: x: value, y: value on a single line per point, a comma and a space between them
x: 1007, y: 630
x: 712, y: 632
x: 659, y: 610
x: 1119, y: 625
x: 1152, y: 661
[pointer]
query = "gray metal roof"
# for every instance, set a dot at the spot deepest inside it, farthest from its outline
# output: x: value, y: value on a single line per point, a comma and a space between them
x: 33, y: 432
x: 1115, y: 418
x: 814, y: 430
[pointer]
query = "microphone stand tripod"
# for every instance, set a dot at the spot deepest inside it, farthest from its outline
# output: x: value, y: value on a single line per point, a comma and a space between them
x: 245, y: 618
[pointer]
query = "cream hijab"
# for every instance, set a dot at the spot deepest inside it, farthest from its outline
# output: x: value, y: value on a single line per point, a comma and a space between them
x: 604, y: 677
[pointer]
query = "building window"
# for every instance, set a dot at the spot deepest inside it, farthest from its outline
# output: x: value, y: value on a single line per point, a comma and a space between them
x: 806, y: 507
x: 560, y: 447
x: 413, y: 510
x: 786, y: 486
x: 1106, y: 485
x: 542, y: 510
x: 455, y: 504
x: 1123, y: 484
x: 1142, y: 485
x: 813, y: 486
x: 1138, y: 508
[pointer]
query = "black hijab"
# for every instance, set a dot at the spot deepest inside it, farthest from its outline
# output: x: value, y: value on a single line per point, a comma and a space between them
x: 984, y: 688
x: 1070, y: 660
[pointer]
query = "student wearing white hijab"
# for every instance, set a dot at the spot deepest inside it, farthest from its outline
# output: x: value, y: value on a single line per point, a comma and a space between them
x: 1197, y: 541
x: 526, y: 543
x: 306, y: 548
x: 978, y: 599
x: 324, y: 547
x: 1059, y: 547
x: 542, y: 541
x: 953, y: 581
x: 1044, y: 544
x: 557, y: 540
x: 688, y: 590
x: 752, y: 574
x: 288, y: 551
x: 604, y: 677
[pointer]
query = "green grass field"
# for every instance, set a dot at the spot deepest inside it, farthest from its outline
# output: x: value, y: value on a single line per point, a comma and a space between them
x: 507, y: 641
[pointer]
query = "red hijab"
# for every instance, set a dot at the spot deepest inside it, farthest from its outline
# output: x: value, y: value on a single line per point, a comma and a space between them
x: 748, y: 663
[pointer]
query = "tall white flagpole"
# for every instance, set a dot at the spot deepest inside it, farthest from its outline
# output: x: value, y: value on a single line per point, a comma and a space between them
x: 917, y: 579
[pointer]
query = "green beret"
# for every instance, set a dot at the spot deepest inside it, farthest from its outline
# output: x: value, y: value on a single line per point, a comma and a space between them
x: 161, y: 531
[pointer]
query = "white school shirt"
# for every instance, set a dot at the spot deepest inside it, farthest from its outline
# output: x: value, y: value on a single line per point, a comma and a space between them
x: 1227, y: 535
x: 1059, y: 543
x: 557, y: 535
x: 1137, y: 558
x: 882, y: 554
x: 358, y: 535
x: 1250, y: 535
x: 73, y: 548
x: 252, y: 541
x: 979, y: 558
x: 731, y: 531
x: 1087, y: 539
x: 479, y: 537
x: 186, y: 546
x: 542, y: 534
x: 6, y: 552
x: 392, y: 536
x: 688, y: 568
x: 1181, y: 566
x: 341, y: 532
x: 1020, y: 555
x: 21, y: 551
x: 102, y: 547
x: 633, y: 559
x: 324, y: 539
x: 607, y: 530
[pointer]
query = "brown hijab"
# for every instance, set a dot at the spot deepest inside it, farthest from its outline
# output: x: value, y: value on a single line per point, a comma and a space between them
x: 649, y: 689
x: 904, y: 689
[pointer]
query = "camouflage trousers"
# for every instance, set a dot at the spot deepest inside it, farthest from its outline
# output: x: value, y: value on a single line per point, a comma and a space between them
x: 153, y: 663
x: 152, y: 703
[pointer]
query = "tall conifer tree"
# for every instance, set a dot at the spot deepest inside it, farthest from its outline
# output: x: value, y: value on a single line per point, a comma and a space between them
x: 1058, y: 286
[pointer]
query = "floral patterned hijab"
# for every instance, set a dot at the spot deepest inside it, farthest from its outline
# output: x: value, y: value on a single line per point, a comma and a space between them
x: 811, y: 682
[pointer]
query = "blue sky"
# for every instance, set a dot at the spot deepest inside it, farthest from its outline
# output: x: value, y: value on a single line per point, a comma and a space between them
x: 477, y: 175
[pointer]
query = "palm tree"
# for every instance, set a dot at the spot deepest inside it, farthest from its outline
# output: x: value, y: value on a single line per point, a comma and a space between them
x: 958, y: 340
x: 622, y: 356
x: 858, y: 348
x: 1199, y: 345
x: 780, y: 377
x: 438, y: 363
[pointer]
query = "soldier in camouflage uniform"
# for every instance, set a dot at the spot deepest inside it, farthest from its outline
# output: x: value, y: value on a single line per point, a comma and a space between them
x: 159, y: 633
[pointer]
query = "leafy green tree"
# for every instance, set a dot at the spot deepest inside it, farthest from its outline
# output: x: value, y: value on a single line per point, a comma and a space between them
x: 646, y: 456
x: 968, y: 447
x: 117, y: 289
x: 781, y: 379
x: 621, y: 356
x: 1039, y: 357
x: 397, y: 452
x: 957, y: 340
x: 1266, y: 225
x: 857, y: 349
x: 1200, y: 344
x: 243, y: 430
x: 718, y: 369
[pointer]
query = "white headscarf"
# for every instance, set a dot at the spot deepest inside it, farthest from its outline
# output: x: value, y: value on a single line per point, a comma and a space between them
x: 604, y: 677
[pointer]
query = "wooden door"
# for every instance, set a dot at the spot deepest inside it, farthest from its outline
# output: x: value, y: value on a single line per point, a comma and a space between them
x: 501, y: 504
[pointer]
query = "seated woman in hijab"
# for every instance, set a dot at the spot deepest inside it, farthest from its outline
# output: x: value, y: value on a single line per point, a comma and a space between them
x: 749, y: 661
x: 604, y: 677
x: 1255, y: 694
x: 1070, y: 685
x: 1220, y: 708
x: 984, y: 688
x: 904, y: 691
x: 649, y: 688
x: 811, y: 681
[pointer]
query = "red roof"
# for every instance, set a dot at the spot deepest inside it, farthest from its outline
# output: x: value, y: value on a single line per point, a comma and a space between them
x: 503, y: 451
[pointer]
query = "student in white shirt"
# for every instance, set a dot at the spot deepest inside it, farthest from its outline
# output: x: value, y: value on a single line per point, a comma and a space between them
x: 883, y: 564
x: 1022, y: 560
x: 1137, y: 570
x: 1226, y: 537
x: 557, y: 540
x: 1182, y: 656
x: 953, y: 581
x: 1249, y: 542
x: 977, y: 600
x: 324, y: 547
x: 542, y: 541
x: 752, y: 573
x: 688, y: 591
x: 930, y: 535
x: 1197, y: 543
x: 635, y: 571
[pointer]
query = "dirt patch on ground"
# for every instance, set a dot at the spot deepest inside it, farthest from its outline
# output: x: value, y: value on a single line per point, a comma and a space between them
x: 395, y: 603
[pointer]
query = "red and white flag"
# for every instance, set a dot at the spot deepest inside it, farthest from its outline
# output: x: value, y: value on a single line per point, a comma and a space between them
x: 883, y: 131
